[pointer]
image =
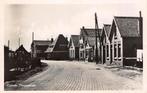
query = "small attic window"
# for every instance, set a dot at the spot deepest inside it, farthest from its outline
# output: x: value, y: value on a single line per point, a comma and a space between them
x: 115, y: 34
x: 82, y: 46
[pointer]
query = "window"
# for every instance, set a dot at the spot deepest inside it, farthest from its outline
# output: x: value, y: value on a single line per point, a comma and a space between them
x: 119, y: 50
x: 82, y: 46
x: 115, y: 34
x: 83, y: 54
x: 80, y: 54
x: 73, y: 53
x: 107, y: 50
x: 115, y: 50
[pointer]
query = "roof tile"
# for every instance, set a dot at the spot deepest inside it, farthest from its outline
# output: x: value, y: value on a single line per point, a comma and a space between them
x: 75, y: 39
x: 128, y: 26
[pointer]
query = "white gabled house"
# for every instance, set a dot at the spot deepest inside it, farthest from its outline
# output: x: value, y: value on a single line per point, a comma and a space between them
x: 105, y: 44
x: 126, y: 36
x: 74, y: 47
x: 87, y: 44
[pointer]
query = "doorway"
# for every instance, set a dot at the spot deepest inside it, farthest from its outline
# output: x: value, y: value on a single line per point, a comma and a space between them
x: 104, y: 60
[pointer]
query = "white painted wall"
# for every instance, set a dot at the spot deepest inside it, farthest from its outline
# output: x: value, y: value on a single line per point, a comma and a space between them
x: 72, y: 50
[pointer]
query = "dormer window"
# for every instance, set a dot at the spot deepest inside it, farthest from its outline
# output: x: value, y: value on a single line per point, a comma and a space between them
x: 115, y: 35
x: 82, y: 46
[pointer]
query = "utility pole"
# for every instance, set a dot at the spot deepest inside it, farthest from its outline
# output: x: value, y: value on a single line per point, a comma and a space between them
x: 97, y: 58
x: 96, y: 50
x: 19, y: 42
x: 84, y: 42
x: 19, y: 31
x: 32, y: 47
x: 32, y: 36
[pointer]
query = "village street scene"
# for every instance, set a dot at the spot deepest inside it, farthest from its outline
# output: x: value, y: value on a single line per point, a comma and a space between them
x: 102, y: 56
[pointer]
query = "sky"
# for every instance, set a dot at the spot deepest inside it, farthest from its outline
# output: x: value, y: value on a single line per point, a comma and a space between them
x: 49, y: 20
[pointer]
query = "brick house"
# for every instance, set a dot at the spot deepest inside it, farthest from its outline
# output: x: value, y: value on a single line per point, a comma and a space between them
x: 87, y: 43
x: 58, y: 50
x: 126, y: 35
x: 90, y: 48
x: 74, y: 47
x: 105, y: 43
x: 38, y: 48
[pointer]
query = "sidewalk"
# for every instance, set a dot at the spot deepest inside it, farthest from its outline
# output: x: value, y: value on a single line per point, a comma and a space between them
x: 127, y: 71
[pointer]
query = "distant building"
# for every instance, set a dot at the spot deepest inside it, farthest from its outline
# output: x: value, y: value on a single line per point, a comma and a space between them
x: 74, y: 47
x: 6, y: 54
x: 22, y: 58
x: 90, y: 48
x: 8, y: 63
x: 21, y: 50
x: 38, y: 48
x: 126, y: 36
x: 87, y: 43
x: 105, y: 48
x: 58, y: 50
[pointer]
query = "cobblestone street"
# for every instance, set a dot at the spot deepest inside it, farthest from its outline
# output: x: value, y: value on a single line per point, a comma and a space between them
x: 64, y: 75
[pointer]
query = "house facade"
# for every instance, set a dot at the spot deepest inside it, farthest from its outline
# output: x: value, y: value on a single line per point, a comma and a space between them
x: 74, y: 47
x: 58, y: 50
x: 90, y: 49
x: 87, y: 44
x: 125, y: 38
x: 105, y: 44
x: 38, y: 48
x: 22, y: 59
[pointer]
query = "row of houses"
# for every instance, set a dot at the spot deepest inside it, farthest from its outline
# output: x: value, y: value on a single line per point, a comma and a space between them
x: 16, y: 62
x: 118, y: 42
x: 121, y: 41
x: 84, y: 45
x: 51, y: 49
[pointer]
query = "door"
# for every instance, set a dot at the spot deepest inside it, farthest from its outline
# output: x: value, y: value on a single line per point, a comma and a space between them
x: 104, y: 57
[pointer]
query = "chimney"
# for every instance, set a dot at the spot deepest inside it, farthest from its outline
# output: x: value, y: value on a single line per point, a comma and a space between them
x: 83, y: 27
x: 140, y: 24
x: 19, y: 42
x: 139, y: 13
x: 32, y: 36
x: 52, y: 40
